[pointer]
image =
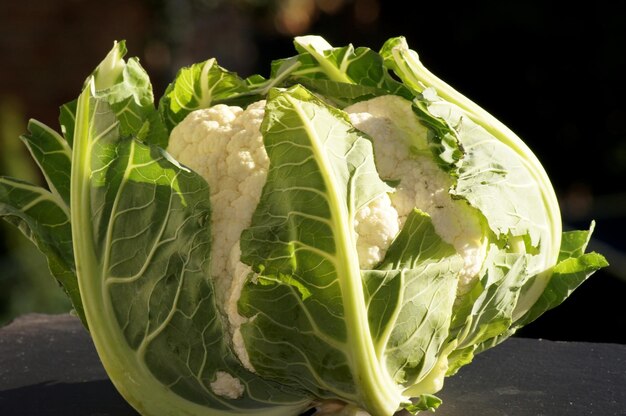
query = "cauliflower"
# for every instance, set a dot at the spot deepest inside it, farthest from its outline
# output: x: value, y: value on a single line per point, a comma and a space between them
x: 371, y: 230
x: 224, y: 144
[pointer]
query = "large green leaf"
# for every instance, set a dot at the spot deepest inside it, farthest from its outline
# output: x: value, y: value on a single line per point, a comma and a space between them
x: 308, y: 313
x: 487, y: 312
x: 495, y: 179
x: 483, y: 137
x: 427, y: 270
x: 43, y: 217
x: 142, y: 242
x: 498, y: 173
x: 492, y: 312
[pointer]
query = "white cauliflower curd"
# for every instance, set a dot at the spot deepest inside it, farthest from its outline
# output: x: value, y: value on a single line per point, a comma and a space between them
x: 224, y: 145
x: 394, y: 128
x: 226, y: 385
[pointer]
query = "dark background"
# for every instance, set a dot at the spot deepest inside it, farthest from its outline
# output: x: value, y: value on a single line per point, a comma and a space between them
x: 554, y: 74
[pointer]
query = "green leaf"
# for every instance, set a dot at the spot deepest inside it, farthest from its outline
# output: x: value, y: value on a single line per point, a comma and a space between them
x: 443, y: 142
x: 42, y: 215
x: 417, y: 244
x: 200, y: 86
x: 126, y: 87
x: 142, y: 242
x: 426, y: 269
x: 342, y: 76
x: 405, y: 63
x: 110, y: 71
x: 574, y: 243
x: 492, y: 311
x: 574, y: 268
x: 425, y: 402
x: 496, y: 180
x: 460, y: 357
x: 321, y: 171
x: 43, y: 218
x: 53, y: 156
x: 383, y: 293
x: 487, y: 311
x: 346, y: 64
x: 535, y: 216
x: 567, y: 275
x: 417, y: 332
x: 339, y: 94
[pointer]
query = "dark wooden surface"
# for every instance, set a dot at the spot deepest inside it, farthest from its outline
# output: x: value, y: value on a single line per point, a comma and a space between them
x: 48, y: 366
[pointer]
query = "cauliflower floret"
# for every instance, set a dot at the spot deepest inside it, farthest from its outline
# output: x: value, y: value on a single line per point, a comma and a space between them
x: 226, y: 385
x: 394, y: 129
x: 375, y: 226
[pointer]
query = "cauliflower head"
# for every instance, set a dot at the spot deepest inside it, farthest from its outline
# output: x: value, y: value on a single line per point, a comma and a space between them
x: 341, y: 235
x: 224, y: 144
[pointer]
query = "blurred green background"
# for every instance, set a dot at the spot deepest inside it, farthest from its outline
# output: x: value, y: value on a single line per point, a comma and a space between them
x: 554, y: 74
